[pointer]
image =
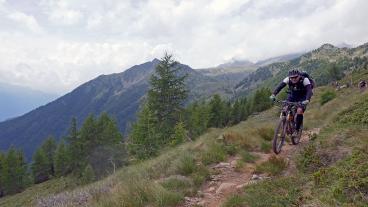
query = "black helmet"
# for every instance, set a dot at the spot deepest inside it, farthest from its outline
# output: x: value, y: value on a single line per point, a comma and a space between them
x: 293, y: 73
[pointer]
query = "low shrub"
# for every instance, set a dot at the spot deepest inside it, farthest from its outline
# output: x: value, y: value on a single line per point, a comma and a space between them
x: 214, y: 153
x: 239, y: 165
x: 309, y: 160
x: 247, y: 157
x: 327, y: 96
x: 266, y: 147
x: 200, y: 175
x: 273, y: 166
x: 186, y: 164
x: 181, y: 185
x: 266, y: 133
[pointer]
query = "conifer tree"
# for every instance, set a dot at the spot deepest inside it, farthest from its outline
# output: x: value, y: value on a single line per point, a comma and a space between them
x: 15, y: 176
x: 180, y: 134
x: 217, y: 112
x: 245, y: 109
x: 167, y: 95
x: 88, y: 175
x: 62, y: 160
x: 197, y: 118
x: 261, y: 100
x: 156, y: 122
x: 236, y: 112
x: 40, y: 166
x: 108, y: 131
x: 49, y: 148
x: 143, y: 140
x: 2, y: 161
x: 74, y: 148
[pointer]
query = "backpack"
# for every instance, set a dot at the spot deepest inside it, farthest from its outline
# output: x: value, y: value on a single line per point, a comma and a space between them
x: 306, y: 75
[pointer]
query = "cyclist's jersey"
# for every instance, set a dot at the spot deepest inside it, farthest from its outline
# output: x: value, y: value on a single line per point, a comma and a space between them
x: 299, y: 91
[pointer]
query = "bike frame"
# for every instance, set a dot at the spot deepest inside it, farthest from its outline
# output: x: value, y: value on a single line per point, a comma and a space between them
x: 286, y: 124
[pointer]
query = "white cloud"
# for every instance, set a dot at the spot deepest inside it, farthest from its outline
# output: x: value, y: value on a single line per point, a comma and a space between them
x: 60, y: 12
x: 82, y: 39
x: 26, y: 20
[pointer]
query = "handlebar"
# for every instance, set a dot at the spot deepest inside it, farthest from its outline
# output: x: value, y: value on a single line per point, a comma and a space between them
x: 289, y: 102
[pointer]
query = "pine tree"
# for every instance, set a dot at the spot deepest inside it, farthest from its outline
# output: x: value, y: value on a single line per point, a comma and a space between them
x: 167, y: 95
x: 49, y: 148
x: 40, y: 166
x: 180, y: 134
x: 89, y: 138
x: 217, y: 112
x: 156, y: 122
x: 143, y: 141
x: 74, y: 148
x: 108, y: 131
x: 236, y: 113
x: 15, y: 176
x: 197, y: 118
x: 245, y: 109
x: 2, y: 162
x: 62, y: 160
x: 261, y: 100
x: 88, y: 175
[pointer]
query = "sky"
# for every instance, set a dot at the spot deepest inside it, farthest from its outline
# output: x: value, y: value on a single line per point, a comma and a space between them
x: 56, y: 45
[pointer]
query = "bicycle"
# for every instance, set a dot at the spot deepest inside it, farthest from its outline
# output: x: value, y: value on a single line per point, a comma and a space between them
x: 286, y: 125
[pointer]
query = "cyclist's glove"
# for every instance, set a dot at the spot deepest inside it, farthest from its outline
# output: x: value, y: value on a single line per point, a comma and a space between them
x: 306, y: 102
x: 272, y: 97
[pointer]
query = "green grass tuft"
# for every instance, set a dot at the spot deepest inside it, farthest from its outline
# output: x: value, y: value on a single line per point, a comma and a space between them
x: 273, y: 166
x: 309, y: 160
x: 266, y: 147
x: 234, y: 201
x: 213, y: 154
x: 266, y: 133
x: 247, y: 157
x: 327, y: 96
x: 186, y: 164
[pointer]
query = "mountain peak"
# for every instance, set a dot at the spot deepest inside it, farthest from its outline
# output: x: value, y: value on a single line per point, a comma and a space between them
x: 327, y: 46
x: 236, y: 63
x: 155, y: 60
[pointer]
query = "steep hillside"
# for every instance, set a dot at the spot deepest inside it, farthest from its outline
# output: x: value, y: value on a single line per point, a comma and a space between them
x: 326, y: 169
x: 117, y: 94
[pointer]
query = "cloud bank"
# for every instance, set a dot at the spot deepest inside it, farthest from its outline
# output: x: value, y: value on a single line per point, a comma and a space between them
x: 55, y: 45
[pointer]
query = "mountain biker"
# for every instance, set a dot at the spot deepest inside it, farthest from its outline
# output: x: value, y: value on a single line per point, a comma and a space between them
x: 300, y: 91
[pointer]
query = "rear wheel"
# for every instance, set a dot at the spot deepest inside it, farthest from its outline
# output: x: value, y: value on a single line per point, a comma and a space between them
x: 279, y: 137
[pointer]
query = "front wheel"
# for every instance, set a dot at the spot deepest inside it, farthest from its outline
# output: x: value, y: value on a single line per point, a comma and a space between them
x: 296, y: 139
x: 279, y: 137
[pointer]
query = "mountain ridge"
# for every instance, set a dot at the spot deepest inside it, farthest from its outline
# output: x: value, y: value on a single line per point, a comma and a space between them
x: 118, y: 94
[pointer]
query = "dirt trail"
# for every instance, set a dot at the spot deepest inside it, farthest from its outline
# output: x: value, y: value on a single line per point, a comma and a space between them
x: 228, y: 181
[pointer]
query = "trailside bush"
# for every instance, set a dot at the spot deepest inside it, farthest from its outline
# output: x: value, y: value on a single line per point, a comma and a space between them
x: 273, y: 166
x: 327, y: 96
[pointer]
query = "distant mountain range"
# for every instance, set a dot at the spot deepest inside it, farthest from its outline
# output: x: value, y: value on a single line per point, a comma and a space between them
x: 316, y: 63
x: 17, y: 100
x: 120, y: 95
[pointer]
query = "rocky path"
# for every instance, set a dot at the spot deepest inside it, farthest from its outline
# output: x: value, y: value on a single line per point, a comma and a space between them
x: 228, y: 181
